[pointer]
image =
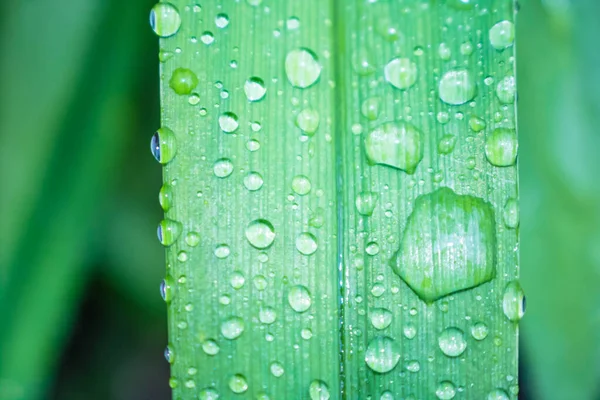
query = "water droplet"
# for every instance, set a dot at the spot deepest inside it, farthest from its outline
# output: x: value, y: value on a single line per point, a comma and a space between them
x: 267, y: 315
x: 276, y: 369
x: 410, y: 331
x: 476, y: 124
x: 228, y: 122
x: 318, y: 390
x: 401, y: 73
x: 302, y: 68
x: 365, y: 203
x: 444, y: 51
x: 445, y: 390
x: 306, y: 334
x: 301, y: 185
x: 396, y: 144
x: 506, y: 89
x: 372, y: 248
x: 497, y: 394
x: 164, y: 55
x: 306, y: 243
x: 221, y: 20
x: 166, y: 289
x: 466, y: 48
x: 479, y: 331
x: 237, y: 280
x: 238, y: 383
x: 253, y: 181
x: 260, y: 282
x: 169, y: 355
x: 386, y: 27
x: 299, y: 298
x: 511, y: 213
x: 232, y: 328
x: 253, y: 145
x: 292, y: 23
x: 254, y: 3
x: 457, y: 87
x: 452, y: 342
x: 165, y: 197
x: 208, y: 394
x: 168, y: 231
x: 362, y: 61
x: 223, y: 167
x: 260, y: 233
x: 255, y: 89
x: 381, y: 318
x: 163, y: 145
x: 382, y: 354
x: 370, y: 108
x: 513, y: 301
x: 413, y: 366
x: 501, y: 147
x: 449, y: 244
x: 308, y: 120
x: 207, y: 38
x: 210, y: 347
x: 192, y: 239
x: 502, y: 35
x: 446, y: 144
x: 183, y: 81
x: 165, y: 19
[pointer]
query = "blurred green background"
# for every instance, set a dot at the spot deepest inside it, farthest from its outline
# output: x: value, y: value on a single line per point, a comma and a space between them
x: 79, y: 261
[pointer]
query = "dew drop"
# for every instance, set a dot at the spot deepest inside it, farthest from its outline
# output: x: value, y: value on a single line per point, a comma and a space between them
x: 238, y: 383
x: 168, y: 231
x: 382, y: 354
x: 413, y: 366
x: 183, y: 81
x: 501, y: 147
x: 401, y: 73
x: 476, y: 124
x: 169, y: 355
x: 445, y: 390
x: 502, y: 35
x: 444, y: 52
x: 308, y: 120
x: 301, y: 185
x: 254, y: 3
x: 362, y: 62
x: 479, y: 331
x: 267, y: 315
x: 457, y: 87
x: 302, y: 68
x: 192, y: 239
x: 306, y: 243
x: 232, y: 328
x: 163, y: 145
x: 372, y: 248
x: 208, y: 394
x: 228, y: 122
x: 365, y: 203
x: 381, y: 318
x: 410, y: 331
x: 461, y: 4
x: 253, y: 181
x: 452, y: 342
x: 210, y: 347
x: 396, y: 144
x: 165, y: 19
x: 276, y: 369
x: 165, y: 197
x: 497, y: 394
x: 513, y: 301
x: 299, y: 298
x: 223, y: 167
x: 506, y: 89
x: 318, y: 390
x: 221, y: 20
x: 260, y: 233
x: 166, y: 289
x: 306, y: 334
x: 252, y: 145
x: 370, y: 108
x: 207, y: 38
x: 446, y: 144
x: 237, y: 280
x: 511, y: 213
x: 255, y: 89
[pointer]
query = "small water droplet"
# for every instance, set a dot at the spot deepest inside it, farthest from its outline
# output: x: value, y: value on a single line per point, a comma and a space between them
x: 387, y: 395
x: 276, y: 369
x: 223, y: 167
x: 164, y: 55
x: 410, y: 331
x: 446, y: 144
x: 255, y: 89
x: 237, y: 280
x: 165, y: 197
x: 210, y: 347
x: 254, y: 3
x: 445, y: 390
x: 506, y: 89
x: 166, y: 289
x: 192, y: 239
x: 163, y: 145
x: 299, y: 298
x: 372, y: 248
x: 452, y: 342
x: 318, y: 390
x: 260, y: 233
x: 511, y: 213
x: 228, y: 122
x: 457, y: 87
x: 476, y: 124
x: 183, y: 81
x: 501, y: 147
x: 253, y: 181
x: 396, y: 144
x: 207, y: 38
x: 168, y: 231
x: 302, y: 68
x: 253, y: 145
x: 232, y: 328
x: 267, y: 315
x: 444, y: 51
x: 306, y: 243
x: 413, y: 366
x: 238, y: 383
x: 513, y: 301
x: 365, y: 203
x: 502, y: 35
x: 370, y: 108
x: 208, y: 394
x: 479, y: 331
x: 308, y: 120
x: 381, y: 318
x: 260, y: 282
x: 221, y: 20
x: 362, y: 61
x: 301, y: 185
x: 306, y: 334
x: 497, y: 394
x: 165, y: 19
x: 401, y: 73
x: 382, y: 354
x: 169, y: 355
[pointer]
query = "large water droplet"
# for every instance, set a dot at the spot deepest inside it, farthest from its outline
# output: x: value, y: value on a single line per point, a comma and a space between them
x: 308, y: 120
x: 383, y: 354
x: 452, y: 342
x: 163, y: 145
x: 397, y: 144
x: 253, y: 181
x: 208, y: 394
x: 401, y: 73
x: 260, y: 233
x: 318, y: 390
x: 255, y: 89
x: 448, y: 245
x: 301, y: 185
x: 232, y: 328
x: 299, y: 298
x: 183, y: 81
x: 381, y: 318
x: 302, y: 68
x: 165, y: 19
x: 502, y: 35
x: 306, y: 243
x: 506, y: 89
x: 457, y: 87
x: 365, y: 203
x: 445, y: 390
x: 513, y: 301
x: 370, y: 108
x: 223, y: 167
x: 479, y: 331
x: 501, y: 147
x: 511, y: 213
x: 228, y: 122
x: 168, y: 231
x: 238, y: 383
x: 497, y: 394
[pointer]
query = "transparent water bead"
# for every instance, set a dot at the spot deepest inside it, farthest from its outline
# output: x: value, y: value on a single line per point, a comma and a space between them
x: 446, y: 144
x: 267, y: 315
x: 383, y: 354
x: 208, y: 394
x: 165, y: 19
x: 308, y: 120
x: 165, y: 197
x: 479, y: 331
x: 365, y: 203
x: 513, y: 301
x: 370, y: 108
x: 318, y: 390
x: 221, y: 20
x: 506, y: 90
x: 223, y: 167
x: 276, y: 369
x: 299, y: 298
x: 457, y: 87
x: 452, y: 342
x: 169, y: 355
x: 255, y: 89
x: 445, y: 390
x: 511, y: 213
x: 253, y: 181
x: 232, y: 328
x: 381, y: 318
x: 260, y: 233
x: 301, y: 185
x: 163, y: 145
x: 497, y: 394
x: 306, y: 243
x: 238, y: 383
x: 210, y: 347
x: 401, y: 73
x: 448, y: 245
x: 501, y: 147
x: 396, y: 144
x: 228, y: 122
x: 183, y: 81
x: 302, y: 68
x: 166, y: 289
x: 502, y: 35
x: 168, y: 231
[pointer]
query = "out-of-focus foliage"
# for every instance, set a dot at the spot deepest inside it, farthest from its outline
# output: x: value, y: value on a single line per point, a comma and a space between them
x: 79, y: 262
